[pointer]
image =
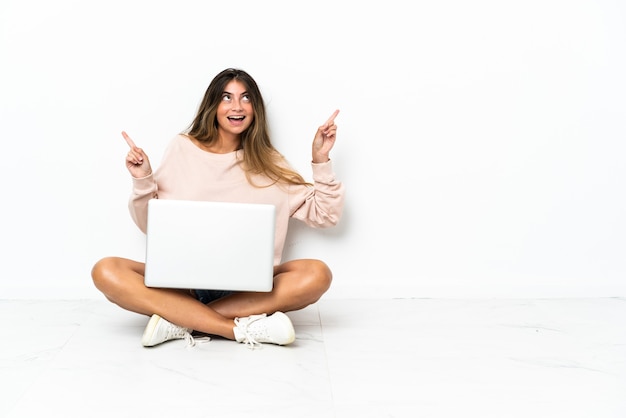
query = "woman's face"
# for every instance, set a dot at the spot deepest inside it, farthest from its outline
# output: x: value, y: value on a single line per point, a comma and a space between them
x: 235, y: 113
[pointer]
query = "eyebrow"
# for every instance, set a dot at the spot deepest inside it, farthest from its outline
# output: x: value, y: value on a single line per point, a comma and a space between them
x: 232, y: 94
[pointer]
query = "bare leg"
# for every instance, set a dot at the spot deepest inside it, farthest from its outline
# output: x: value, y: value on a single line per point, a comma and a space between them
x: 121, y: 281
x: 297, y: 284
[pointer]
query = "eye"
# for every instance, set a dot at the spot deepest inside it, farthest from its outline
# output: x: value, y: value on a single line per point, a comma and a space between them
x: 246, y: 98
x: 226, y: 98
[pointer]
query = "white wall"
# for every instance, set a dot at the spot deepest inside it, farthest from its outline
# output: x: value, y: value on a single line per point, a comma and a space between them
x: 482, y: 143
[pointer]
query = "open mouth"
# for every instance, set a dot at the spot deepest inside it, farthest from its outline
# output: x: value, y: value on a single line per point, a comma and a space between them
x: 236, y: 118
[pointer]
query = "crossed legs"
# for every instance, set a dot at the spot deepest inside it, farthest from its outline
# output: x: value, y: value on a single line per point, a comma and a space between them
x: 297, y: 284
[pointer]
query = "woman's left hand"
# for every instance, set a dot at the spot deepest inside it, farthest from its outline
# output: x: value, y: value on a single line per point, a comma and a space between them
x: 325, y: 139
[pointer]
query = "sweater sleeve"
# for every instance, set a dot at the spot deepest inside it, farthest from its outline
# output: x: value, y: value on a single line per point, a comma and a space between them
x: 319, y: 206
x: 144, y: 189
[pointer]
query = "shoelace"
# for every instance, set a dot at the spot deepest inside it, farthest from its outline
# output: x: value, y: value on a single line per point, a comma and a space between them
x: 191, y: 341
x: 250, y: 341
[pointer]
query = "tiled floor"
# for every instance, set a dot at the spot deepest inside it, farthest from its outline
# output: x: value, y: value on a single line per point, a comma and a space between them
x: 352, y: 358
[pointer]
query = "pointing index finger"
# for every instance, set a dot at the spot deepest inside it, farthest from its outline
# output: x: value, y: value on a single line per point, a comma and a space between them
x: 129, y: 141
x: 333, y: 116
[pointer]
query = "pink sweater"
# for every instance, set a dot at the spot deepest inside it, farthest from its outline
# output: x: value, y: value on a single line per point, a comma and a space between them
x: 188, y: 173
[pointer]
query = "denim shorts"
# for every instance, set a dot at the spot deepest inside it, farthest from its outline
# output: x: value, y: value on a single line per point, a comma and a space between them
x: 207, y: 295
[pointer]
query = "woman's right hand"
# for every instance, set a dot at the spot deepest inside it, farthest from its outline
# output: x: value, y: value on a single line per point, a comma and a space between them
x: 137, y: 161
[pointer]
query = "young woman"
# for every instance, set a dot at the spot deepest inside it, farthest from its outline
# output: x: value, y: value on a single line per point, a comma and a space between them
x: 227, y: 155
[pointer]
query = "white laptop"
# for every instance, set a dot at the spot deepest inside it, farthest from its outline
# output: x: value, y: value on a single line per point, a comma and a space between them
x: 210, y: 245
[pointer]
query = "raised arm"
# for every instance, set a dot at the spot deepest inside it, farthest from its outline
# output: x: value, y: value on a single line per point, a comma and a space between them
x: 324, y: 139
x: 144, y: 186
x: 137, y: 161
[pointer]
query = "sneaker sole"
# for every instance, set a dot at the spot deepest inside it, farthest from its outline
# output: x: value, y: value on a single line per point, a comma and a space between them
x: 149, y: 331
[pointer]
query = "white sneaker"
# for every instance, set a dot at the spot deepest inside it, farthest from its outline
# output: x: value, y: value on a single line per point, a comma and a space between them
x: 159, y: 330
x: 256, y: 329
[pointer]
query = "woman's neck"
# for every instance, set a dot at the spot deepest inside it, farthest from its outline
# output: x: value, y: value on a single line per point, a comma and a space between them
x: 220, y: 146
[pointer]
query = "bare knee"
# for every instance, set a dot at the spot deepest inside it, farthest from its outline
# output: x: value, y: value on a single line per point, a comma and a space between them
x: 106, y: 276
x: 100, y: 273
x: 313, y: 278
x: 322, y: 276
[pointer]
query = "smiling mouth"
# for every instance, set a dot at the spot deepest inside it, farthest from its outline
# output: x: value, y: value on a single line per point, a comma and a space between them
x: 236, y: 118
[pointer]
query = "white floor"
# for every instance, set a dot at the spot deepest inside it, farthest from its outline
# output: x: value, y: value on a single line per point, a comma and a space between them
x: 352, y: 358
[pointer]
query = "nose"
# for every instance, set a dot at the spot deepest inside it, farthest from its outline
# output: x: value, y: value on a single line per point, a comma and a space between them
x: 237, y: 104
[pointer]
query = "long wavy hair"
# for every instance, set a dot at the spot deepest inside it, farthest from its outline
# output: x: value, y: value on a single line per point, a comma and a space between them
x: 259, y: 155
